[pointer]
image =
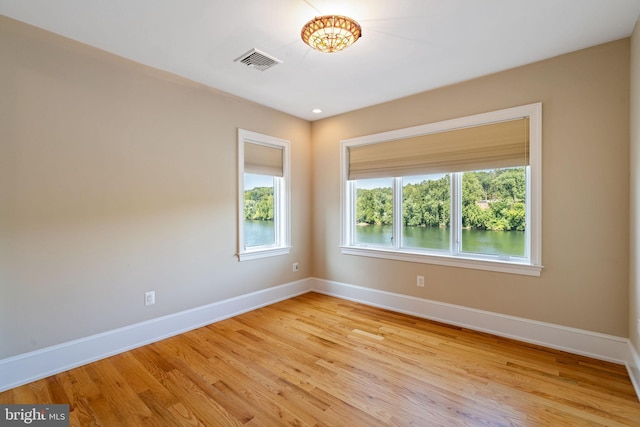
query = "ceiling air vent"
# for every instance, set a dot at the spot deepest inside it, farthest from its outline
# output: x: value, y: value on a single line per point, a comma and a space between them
x: 258, y: 60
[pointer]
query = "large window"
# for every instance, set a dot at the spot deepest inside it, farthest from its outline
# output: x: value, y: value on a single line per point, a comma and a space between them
x: 464, y: 192
x: 263, y: 177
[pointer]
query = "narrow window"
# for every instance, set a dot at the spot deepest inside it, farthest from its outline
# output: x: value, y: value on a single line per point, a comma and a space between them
x: 263, y: 177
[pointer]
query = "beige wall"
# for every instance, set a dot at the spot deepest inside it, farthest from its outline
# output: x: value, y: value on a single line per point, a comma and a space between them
x: 584, y: 284
x: 116, y: 179
x: 634, y: 291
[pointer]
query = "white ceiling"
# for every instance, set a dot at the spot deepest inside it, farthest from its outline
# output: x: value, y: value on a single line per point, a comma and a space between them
x: 408, y: 46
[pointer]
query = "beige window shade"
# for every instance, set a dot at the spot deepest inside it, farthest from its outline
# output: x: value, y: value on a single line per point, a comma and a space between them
x: 263, y: 159
x: 496, y: 145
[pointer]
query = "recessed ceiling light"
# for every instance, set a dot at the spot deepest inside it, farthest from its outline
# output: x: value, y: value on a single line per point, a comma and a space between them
x: 316, y: 111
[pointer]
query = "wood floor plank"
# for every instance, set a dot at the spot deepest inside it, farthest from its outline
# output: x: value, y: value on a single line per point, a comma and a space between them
x: 315, y: 360
x: 256, y: 366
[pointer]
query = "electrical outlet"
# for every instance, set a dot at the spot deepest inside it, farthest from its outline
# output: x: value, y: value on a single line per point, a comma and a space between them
x: 420, y: 281
x: 295, y: 266
x: 150, y: 298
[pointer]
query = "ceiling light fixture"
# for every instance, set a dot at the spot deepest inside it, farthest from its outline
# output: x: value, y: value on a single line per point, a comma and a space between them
x: 331, y: 33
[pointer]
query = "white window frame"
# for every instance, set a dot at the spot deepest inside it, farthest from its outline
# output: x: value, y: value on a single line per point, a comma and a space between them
x: 281, y: 194
x: 530, y: 264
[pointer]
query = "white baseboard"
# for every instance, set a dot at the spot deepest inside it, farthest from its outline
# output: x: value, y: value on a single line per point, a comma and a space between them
x: 27, y: 367
x: 592, y: 344
x: 633, y: 367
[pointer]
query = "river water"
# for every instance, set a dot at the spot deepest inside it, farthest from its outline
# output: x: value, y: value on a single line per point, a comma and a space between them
x: 473, y: 241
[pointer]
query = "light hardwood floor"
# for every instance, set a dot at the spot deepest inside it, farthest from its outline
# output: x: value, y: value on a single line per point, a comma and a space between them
x: 315, y: 360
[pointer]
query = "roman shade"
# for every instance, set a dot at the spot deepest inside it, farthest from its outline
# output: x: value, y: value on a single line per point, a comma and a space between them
x: 489, y: 146
x: 263, y: 159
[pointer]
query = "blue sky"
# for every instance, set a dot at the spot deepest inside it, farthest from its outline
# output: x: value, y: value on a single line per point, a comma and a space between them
x: 252, y: 180
x: 387, y: 182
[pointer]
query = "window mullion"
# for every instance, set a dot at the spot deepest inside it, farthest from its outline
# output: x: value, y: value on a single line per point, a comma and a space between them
x: 278, y: 210
x: 528, y: 205
x: 455, y: 220
x: 350, y: 213
x: 397, y: 212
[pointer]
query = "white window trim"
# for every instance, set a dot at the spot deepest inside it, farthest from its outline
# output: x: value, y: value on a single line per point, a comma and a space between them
x: 531, y: 265
x: 282, y: 195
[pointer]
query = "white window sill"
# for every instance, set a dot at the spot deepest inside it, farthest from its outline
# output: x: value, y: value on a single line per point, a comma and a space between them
x: 264, y: 253
x: 459, y: 261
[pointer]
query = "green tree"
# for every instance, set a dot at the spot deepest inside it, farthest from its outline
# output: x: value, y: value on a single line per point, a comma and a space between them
x: 494, y: 200
x: 472, y: 189
x: 510, y: 184
x: 374, y: 206
x: 259, y: 204
x: 491, y: 200
x: 427, y: 203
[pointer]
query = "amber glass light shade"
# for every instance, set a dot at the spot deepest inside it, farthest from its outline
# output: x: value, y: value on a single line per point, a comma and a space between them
x: 331, y: 33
